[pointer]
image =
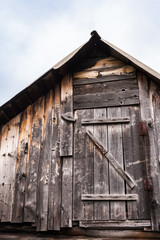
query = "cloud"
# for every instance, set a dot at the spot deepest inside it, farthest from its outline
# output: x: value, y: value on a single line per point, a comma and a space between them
x: 34, y: 35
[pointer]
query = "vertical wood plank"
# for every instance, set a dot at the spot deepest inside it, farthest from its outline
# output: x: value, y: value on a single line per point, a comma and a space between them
x: 66, y: 133
x: 44, y: 166
x: 54, y: 207
x: 9, y: 158
x: 117, y: 208
x: 101, y: 208
x: 66, y: 213
x: 135, y: 164
x: 33, y: 163
x: 22, y: 156
x: 152, y: 164
x: 83, y: 167
x: 3, y: 152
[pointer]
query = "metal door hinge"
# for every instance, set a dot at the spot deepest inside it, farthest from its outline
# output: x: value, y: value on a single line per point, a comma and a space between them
x: 148, y: 185
x: 142, y: 128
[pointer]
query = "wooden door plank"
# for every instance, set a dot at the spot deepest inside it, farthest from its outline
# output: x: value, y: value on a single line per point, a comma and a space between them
x: 83, y: 167
x: 9, y: 158
x: 117, y: 185
x: 66, y: 212
x: 44, y: 166
x: 135, y: 164
x: 151, y: 154
x: 33, y: 163
x: 112, y: 160
x: 66, y: 132
x: 105, y: 121
x: 54, y: 206
x: 21, y: 165
x: 109, y: 197
x: 101, y: 209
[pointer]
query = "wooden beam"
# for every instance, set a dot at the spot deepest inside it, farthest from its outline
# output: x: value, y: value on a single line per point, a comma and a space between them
x: 102, y: 79
x: 105, y: 120
x: 116, y: 224
x: 109, y: 197
x: 111, y: 159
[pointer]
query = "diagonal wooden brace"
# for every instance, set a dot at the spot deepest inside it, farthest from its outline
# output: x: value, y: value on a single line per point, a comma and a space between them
x: 112, y: 160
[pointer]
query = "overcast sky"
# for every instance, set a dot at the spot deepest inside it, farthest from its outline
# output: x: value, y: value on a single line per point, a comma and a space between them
x: 36, y: 34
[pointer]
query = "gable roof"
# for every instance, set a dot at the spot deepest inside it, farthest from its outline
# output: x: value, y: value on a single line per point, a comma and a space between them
x: 47, y: 81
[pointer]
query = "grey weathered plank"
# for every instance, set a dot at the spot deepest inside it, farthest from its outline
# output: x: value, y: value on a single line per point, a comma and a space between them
x: 83, y: 167
x: 112, y: 160
x: 101, y: 209
x: 117, y: 186
x: 106, y: 87
x: 152, y: 164
x: 155, y: 96
x: 54, y: 205
x: 130, y: 97
x: 109, y: 197
x: 66, y: 132
x: 44, y: 166
x: 105, y: 121
x: 116, y: 224
x: 135, y: 164
x: 22, y: 158
x: 102, y: 79
x: 33, y: 163
x: 66, y: 212
x: 10, y: 133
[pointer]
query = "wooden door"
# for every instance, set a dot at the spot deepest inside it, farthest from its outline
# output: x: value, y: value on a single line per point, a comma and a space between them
x: 109, y: 169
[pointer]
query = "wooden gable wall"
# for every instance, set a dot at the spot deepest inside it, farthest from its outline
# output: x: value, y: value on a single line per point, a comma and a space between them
x: 36, y: 147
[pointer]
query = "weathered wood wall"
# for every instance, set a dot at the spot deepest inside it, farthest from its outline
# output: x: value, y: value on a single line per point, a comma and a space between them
x: 48, y: 164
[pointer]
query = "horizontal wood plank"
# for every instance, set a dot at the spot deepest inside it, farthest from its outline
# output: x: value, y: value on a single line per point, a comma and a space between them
x: 111, y: 159
x: 124, y: 70
x: 106, y: 87
x: 106, y: 99
x: 109, y: 197
x: 104, y: 121
x: 116, y: 224
x: 102, y: 79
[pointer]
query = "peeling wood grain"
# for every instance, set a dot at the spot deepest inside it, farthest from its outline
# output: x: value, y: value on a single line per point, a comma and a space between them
x: 125, y: 70
x: 66, y: 133
x: 9, y: 141
x: 107, y: 63
x: 54, y: 205
x: 44, y: 166
x: 32, y: 166
x: 21, y: 165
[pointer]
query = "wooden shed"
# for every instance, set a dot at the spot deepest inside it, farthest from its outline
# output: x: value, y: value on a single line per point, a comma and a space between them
x: 80, y: 149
